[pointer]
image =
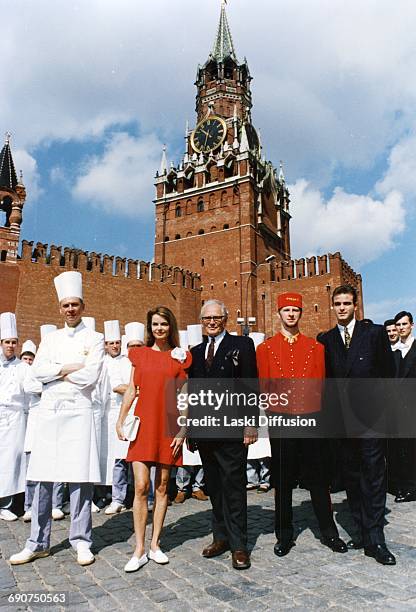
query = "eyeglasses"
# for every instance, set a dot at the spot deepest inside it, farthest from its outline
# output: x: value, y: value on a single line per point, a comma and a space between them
x: 208, y: 319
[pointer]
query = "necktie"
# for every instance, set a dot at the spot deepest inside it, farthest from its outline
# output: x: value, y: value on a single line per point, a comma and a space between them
x: 347, y: 337
x: 210, y: 356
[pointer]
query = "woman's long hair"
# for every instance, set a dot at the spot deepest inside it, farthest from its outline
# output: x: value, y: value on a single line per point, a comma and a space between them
x: 162, y: 311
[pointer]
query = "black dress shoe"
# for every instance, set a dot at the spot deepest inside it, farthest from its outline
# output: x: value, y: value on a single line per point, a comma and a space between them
x: 380, y: 553
x: 241, y: 559
x: 355, y: 544
x: 405, y: 497
x: 335, y: 544
x: 282, y: 547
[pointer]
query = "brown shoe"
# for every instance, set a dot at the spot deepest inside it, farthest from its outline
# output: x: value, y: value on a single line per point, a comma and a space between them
x: 216, y: 548
x: 199, y: 494
x: 241, y: 559
x: 180, y: 497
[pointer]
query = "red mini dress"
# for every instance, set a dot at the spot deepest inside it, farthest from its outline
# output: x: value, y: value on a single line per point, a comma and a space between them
x: 158, y: 376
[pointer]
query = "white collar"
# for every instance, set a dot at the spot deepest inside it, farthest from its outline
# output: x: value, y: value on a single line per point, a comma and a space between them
x: 217, y: 338
x: 350, y: 327
x: 71, y: 331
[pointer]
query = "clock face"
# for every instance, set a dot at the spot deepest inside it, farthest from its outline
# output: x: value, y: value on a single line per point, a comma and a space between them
x: 209, y: 134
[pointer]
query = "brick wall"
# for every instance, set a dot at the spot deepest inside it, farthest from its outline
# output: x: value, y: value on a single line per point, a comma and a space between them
x: 113, y: 288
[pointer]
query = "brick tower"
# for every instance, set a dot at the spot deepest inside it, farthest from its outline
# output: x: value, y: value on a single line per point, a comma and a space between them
x: 12, y: 199
x: 224, y: 209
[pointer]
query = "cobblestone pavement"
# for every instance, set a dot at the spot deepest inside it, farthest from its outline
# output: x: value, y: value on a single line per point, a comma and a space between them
x: 310, y: 577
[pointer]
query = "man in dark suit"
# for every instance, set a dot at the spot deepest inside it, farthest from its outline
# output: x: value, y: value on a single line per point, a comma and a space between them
x: 403, y: 450
x: 358, y: 349
x: 225, y: 356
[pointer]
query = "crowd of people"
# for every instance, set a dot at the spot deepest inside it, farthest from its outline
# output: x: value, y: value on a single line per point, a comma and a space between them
x: 85, y: 414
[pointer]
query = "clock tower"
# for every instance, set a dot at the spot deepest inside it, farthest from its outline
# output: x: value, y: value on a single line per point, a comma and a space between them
x: 224, y: 209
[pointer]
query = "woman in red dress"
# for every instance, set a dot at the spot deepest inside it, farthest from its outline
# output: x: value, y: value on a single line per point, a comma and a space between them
x: 158, y: 371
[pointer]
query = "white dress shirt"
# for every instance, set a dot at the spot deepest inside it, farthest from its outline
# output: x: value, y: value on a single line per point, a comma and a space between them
x: 350, y: 328
x: 218, y: 339
x: 404, y: 347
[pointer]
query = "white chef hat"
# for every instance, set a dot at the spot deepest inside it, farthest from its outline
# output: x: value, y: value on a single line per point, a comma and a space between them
x: 124, y: 349
x: 257, y: 337
x: 194, y: 334
x: 234, y: 333
x: 183, y: 339
x: 46, y: 329
x: 112, y: 331
x: 134, y: 331
x: 28, y: 347
x: 8, y: 326
x: 89, y: 322
x: 68, y: 284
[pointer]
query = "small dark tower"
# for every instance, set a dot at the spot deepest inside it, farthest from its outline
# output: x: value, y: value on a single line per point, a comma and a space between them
x: 12, y: 199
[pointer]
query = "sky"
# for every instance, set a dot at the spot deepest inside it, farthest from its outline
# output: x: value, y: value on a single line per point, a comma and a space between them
x: 91, y: 90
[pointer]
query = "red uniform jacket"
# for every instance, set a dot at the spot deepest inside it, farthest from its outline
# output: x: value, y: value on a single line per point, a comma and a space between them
x: 296, y: 369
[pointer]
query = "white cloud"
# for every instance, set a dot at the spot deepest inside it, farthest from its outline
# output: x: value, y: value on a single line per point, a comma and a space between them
x: 121, y: 180
x: 329, y: 77
x: 361, y: 227
x: 387, y: 309
x: 402, y: 168
x: 31, y: 179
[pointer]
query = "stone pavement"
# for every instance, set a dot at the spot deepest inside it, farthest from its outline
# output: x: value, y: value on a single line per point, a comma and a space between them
x: 310, y: 577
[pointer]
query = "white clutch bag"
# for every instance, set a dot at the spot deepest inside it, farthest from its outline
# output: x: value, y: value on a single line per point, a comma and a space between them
x: 131, y: 427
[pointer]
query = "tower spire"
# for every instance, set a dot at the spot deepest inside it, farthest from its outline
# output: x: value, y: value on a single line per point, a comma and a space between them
x: 223, y: 44
x: 8, y: 177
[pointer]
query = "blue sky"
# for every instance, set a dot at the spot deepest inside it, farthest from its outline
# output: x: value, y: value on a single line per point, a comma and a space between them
x: 94, y: 88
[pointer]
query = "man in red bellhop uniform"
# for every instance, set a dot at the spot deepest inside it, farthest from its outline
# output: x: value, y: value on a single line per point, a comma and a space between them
x: 291, y: 355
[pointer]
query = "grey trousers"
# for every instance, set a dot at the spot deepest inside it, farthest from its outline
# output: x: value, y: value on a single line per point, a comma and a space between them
x: 80, y: 497
x: 184, y: 477
x: 120, y: 481
x: 57, y: 493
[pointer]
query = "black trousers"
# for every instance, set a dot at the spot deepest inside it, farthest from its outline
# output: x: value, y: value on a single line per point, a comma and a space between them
x: 224, y: 463
x: 301, y: 459
x: 364, y: 467
x: 401, y: 465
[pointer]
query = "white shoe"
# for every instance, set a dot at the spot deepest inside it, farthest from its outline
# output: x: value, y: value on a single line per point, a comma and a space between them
x: 6, y: 515
x: 95, y: 509
x: 84, y: 554
x: 114, y: 508
x: 57, y: 514
x: 66, y: 508
x: 135, y: 563
x: 26, y: 555
x: 27, y: 517
x: 158, y: 557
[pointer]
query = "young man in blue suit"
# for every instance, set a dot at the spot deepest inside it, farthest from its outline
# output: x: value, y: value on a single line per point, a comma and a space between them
x: 361, y: 349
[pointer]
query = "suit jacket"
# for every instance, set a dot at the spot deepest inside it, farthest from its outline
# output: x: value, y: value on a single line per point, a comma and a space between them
x: 406, y: 393
x: 406, y: 368
x: 358, y: 408
x: 235, y: 358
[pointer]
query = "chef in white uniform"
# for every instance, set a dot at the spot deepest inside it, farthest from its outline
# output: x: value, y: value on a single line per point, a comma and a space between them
x: 13, y: 413
x: 68, y: 364
x: 28, y: 352
x: 114, y: 451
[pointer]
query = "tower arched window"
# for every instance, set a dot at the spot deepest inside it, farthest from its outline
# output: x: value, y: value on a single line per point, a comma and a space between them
x: 200, y: 206
x: 177, y: 237
x: 201, y: 231
x: 178, y: 211
x: 166, y: 238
